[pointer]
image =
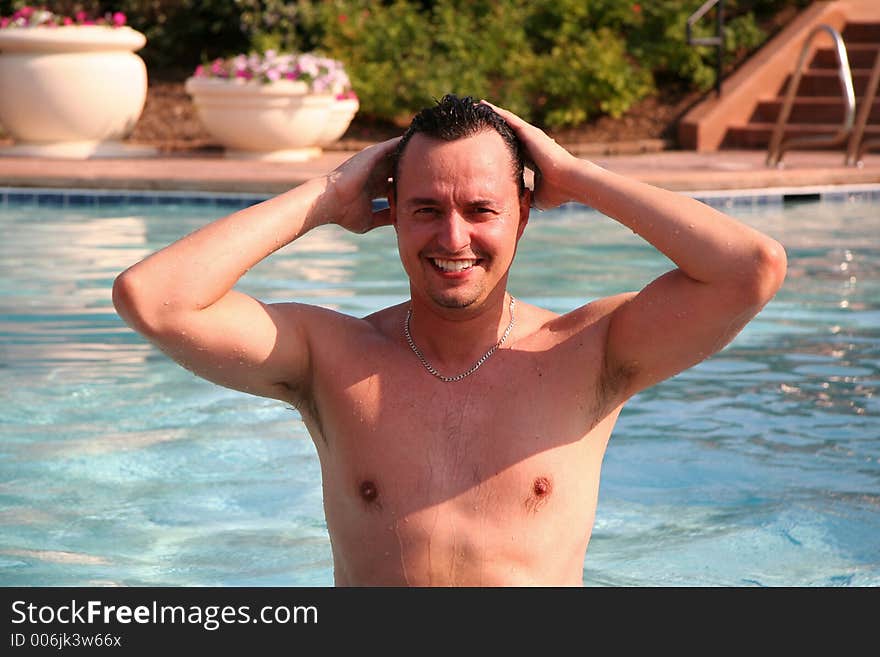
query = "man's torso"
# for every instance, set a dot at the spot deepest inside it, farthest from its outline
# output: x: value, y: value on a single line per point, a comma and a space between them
x: 491, y: 480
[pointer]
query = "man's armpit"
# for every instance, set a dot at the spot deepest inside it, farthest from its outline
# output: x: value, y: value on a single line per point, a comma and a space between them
x: 615, y: 376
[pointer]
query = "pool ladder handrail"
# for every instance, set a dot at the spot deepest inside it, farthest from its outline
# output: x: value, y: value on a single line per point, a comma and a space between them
x: 857, y: 147
x: 777, y: 146
x: 717, y: 41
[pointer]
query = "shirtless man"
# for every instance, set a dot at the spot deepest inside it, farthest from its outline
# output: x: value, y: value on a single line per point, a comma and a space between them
x: 490, y: 475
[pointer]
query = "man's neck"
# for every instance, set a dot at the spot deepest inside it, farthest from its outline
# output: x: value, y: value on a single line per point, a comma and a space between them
x: 452, y: 339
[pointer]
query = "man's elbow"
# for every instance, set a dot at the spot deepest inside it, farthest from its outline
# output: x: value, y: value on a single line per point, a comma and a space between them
x: 132, y: 306
x: 767, y: 272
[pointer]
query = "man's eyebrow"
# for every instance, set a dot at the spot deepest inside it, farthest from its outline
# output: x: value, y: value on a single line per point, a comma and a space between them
x: 426, y: 200
x: 422, y: 200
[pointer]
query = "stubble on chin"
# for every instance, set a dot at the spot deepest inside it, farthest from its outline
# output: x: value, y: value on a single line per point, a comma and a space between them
x: 453, y: 303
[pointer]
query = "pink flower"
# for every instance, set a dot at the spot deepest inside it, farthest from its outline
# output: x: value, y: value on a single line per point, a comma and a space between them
x: 321, y: 74
x: 29, y: 16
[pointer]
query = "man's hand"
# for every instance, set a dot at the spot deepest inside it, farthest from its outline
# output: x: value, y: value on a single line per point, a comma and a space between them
x: 353, y: 186
x: 545, y: 157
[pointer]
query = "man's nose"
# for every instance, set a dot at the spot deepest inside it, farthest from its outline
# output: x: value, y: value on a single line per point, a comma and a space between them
x: 454, y: 233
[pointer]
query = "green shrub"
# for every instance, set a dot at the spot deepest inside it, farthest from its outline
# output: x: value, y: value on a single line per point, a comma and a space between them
x: 401, y: 56
x: 537, y: 58
x: 270, y: 24
x: 658, y: 39
x: 385, y: 50
x: 481, y: 49
x: 182, y: 33
x: 555, y: 62
x: 742, y: 35
x: 583, y: 78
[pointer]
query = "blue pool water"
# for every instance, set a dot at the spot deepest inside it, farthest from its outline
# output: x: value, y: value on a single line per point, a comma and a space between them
x: 760, y: 466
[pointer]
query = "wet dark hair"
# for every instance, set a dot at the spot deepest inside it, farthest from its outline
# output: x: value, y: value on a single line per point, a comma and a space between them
x: 455, y: 118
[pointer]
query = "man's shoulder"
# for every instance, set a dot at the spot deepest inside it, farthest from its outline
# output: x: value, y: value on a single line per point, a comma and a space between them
x: 387, y: 316
x: 322, y: 321
x: 588, y: 315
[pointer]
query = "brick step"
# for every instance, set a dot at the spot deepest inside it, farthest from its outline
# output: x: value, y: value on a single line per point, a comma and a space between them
x: 757, y: 135
x: 812, y: 109
x: 861, y: 33
x: 826, y: 82
x: 860, y: 55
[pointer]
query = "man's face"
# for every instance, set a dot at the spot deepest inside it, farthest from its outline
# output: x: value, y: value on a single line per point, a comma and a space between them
x: 458, y: 216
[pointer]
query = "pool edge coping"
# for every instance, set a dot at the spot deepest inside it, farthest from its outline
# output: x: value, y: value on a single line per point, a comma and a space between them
x: 85, y: 197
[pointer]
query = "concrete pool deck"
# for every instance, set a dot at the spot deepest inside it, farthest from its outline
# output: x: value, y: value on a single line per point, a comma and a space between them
x: 684, y: 171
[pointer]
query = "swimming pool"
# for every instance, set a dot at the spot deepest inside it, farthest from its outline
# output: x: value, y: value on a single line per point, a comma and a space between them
x: 759, y: 466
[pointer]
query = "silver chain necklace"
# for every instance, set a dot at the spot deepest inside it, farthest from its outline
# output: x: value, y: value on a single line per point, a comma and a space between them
x: 475, y: 366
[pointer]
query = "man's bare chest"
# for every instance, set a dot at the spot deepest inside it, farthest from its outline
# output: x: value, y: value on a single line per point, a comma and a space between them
x: 448, y: 437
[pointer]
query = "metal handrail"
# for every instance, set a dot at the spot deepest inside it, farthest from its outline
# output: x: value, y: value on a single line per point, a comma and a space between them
x: 777, y: 146
x: 857, y: 148
x: 717, y: 40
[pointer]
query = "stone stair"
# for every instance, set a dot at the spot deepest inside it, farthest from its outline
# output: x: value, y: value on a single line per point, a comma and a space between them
x: 818, y: 107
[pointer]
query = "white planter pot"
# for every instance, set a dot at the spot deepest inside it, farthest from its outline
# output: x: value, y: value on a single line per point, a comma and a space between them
x: 72, y: 91
x: 281, y: 121
x: 341, y: 113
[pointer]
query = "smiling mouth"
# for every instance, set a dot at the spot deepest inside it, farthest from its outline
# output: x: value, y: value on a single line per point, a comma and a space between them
x: 454, y: 265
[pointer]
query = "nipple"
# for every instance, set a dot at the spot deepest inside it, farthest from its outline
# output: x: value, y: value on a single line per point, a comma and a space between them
x: 539, y: 493
x: 368, y: 491
x: 541, y: 486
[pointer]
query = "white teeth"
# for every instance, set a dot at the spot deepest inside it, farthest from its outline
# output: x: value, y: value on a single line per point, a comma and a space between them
x: 453, y: 265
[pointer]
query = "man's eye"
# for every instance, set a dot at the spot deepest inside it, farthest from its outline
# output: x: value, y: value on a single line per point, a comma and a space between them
x: 425, y: 210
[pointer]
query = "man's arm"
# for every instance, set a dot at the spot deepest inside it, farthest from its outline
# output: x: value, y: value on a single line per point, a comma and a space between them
x: 181, y: 297
x: 726, y: 271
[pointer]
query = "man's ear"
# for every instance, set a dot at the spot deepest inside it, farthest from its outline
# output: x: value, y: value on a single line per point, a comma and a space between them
x: 525, y: 206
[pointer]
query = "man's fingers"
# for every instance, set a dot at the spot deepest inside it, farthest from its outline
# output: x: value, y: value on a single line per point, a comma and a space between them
x: 505, y: 114
x: 515, y: 121
x: 383, y: 160
x: 385, y: 149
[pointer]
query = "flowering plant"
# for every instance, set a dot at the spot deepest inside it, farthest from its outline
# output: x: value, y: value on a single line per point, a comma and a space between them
x: 321, y: 74
x: 37, y: 17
